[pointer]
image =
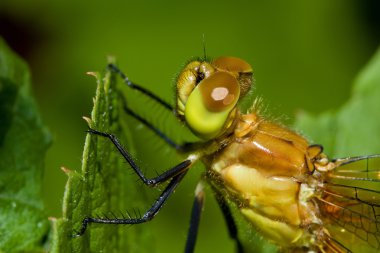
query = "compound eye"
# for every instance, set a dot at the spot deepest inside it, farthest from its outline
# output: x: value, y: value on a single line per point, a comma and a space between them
x: 219, y: 91
x: 210, y: 104
x: 232, y: 64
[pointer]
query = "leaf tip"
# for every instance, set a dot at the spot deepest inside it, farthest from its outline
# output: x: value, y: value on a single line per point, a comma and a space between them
x: 88, y: 120
x: 65, y: 170
x: 91, y: 73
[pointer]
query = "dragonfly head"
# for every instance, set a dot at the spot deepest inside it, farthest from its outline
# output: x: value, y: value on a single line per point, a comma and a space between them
x: 208, y: 92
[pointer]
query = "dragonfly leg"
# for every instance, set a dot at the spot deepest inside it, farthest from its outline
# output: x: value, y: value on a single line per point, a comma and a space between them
x: 176, y: 170
x: 149, y: 215
x: 137, y: 87
x: 232, y: 228
x: 186, y: 147
x: 195, y: 218
x: 151, y: 127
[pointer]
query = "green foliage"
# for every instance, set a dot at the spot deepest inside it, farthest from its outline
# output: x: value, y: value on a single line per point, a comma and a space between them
x: 104, y: 186
x: 23, y: 143
x: 354, y: 129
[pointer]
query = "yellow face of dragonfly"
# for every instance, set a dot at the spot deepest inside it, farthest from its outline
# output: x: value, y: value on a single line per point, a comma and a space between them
x: 207, y: 94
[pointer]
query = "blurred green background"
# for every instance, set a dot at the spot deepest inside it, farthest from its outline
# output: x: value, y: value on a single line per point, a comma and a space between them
x: 305, y: 55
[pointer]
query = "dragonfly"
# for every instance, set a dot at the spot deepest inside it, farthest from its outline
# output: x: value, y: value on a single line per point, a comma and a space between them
x: 282, y: 185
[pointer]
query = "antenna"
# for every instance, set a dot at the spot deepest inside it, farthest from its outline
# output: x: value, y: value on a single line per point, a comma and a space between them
x: 204, y: 46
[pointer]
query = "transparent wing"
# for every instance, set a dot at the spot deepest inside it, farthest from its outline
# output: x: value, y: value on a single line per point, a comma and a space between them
x: 332, y: 245
x: 350, y: 204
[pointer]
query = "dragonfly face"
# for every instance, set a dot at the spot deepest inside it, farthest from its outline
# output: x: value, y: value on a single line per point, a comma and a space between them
x: 286, y: 188
x: 207, y: 94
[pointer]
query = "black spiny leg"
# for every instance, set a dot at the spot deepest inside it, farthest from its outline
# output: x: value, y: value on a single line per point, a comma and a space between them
x: 137, y: 87
x: 157, y: 131
x: 151, y: 95
x: 176, y: 174
x: 178, y: 169
x: 186, y: 147
x: 232, y: 229
x: 149, y: 215
x: 196, y: 212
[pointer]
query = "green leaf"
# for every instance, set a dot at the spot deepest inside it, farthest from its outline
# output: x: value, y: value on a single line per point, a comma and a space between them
x: 353, y: 129
x: 104, y: 185
x: 23, y: 143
